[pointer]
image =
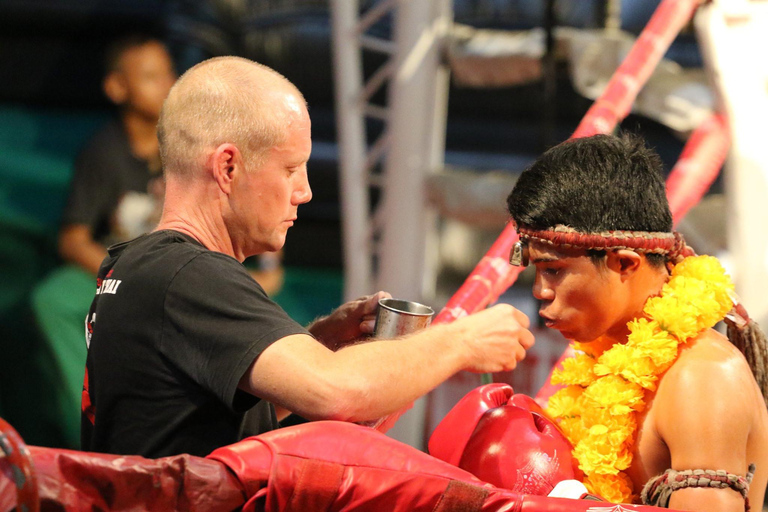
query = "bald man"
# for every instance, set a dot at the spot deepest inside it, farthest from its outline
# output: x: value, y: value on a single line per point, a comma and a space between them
x: 186, y: 351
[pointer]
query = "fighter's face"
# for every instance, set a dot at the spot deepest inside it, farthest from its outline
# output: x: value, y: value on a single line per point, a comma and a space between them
x: 581, y: 299
x: 267, y: 197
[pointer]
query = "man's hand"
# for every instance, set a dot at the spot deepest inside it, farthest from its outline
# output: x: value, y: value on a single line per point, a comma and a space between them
x: 349, y: 322
x: 496, y: 337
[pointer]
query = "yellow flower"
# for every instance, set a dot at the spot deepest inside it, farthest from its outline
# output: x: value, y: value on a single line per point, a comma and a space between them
x: 615, y: 394
x: 564, y: 402
x: 614, y: 488
x: 678, y: 319
x: 576, y: 371
x: 603, y: 451
x: 592, y: 415
x: 647, y: 353
x: 706, y: 268
x: 627, y: 361
x: 595, y: 457
x: 573, y: 428
x: 649, y: 341
x: 621, y: 428
x: 700, y: 296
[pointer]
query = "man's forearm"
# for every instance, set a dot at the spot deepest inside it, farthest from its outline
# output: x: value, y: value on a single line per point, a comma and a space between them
x: 359, y: 382
x: 366, y: 381
x: 391, y: 374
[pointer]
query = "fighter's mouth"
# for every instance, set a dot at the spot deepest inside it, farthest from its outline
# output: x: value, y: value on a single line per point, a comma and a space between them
x: 549, y: 322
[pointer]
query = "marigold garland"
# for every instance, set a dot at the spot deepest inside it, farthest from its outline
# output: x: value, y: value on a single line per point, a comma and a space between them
x: 606, y: 384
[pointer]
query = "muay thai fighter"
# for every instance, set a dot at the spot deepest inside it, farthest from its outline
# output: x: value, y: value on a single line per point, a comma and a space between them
x: 658, y: 405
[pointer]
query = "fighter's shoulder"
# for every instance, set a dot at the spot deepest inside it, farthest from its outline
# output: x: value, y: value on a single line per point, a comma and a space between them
x: 710, y: 355
x: 709, y: 370
x: 707, y: 405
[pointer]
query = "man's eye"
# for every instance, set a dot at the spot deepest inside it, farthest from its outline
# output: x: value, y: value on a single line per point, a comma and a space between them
x: 550, y: 271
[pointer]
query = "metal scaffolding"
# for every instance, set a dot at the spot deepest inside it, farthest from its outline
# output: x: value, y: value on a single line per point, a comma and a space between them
x: 378, y: 252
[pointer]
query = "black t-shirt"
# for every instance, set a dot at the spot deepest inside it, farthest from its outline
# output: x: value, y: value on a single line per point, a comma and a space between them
x: 171, y: 330
x: 111, y: 189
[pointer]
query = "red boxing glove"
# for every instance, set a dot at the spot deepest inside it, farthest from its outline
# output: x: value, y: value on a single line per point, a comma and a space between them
x: 520, y: 450
x: 527, y: 403
x: 452, y: 433
x: 506, y: 440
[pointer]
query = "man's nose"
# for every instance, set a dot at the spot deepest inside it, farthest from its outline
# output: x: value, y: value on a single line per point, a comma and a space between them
x: 304, y: 193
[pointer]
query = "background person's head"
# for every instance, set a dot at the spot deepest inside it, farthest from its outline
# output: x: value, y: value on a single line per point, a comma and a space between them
x: 139, y: 74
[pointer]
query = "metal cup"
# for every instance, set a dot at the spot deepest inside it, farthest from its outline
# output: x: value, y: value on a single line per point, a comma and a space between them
x: 397, y: 317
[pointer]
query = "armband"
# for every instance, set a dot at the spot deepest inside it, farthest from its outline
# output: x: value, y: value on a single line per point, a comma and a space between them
x: 658, y: 490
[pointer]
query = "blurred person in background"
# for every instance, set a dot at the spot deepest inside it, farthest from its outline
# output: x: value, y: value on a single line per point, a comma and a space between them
x: 117, y: 187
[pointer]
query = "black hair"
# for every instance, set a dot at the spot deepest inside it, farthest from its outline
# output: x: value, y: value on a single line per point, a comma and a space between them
x: 117, y: 48
x: 594, y: 184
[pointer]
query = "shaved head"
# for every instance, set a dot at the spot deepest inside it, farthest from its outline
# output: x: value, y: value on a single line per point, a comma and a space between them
x: 225, y: 100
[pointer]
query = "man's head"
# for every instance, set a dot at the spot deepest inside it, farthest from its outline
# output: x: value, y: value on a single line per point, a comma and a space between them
x: 243, y: 131
x: 139, y: 74
x: 575, y: 193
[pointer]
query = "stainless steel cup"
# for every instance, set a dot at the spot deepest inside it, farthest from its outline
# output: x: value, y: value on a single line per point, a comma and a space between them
x: 397, y: 317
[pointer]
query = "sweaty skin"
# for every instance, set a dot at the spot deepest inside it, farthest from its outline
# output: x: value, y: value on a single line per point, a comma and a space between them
x: 707, y: 413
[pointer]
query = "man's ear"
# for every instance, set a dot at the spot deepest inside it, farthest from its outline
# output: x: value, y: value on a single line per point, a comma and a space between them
x: 624, y: 261
x: 226, y: 162
x: 115, y: 89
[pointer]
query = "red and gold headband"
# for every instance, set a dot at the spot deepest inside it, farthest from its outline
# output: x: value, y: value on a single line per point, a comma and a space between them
x: 652, y: 242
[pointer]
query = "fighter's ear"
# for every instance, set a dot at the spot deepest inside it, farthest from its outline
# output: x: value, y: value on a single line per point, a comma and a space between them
x: 115, y: 88
x: 624, y: 261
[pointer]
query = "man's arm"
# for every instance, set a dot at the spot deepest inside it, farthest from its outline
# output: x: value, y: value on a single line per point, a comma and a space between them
x: 367, y: 381
x: 76, y: 245
x: 705, y: 420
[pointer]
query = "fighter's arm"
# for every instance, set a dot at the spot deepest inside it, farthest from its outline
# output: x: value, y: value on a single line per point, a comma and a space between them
x: 369, y: 380
x: 705, y: 422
